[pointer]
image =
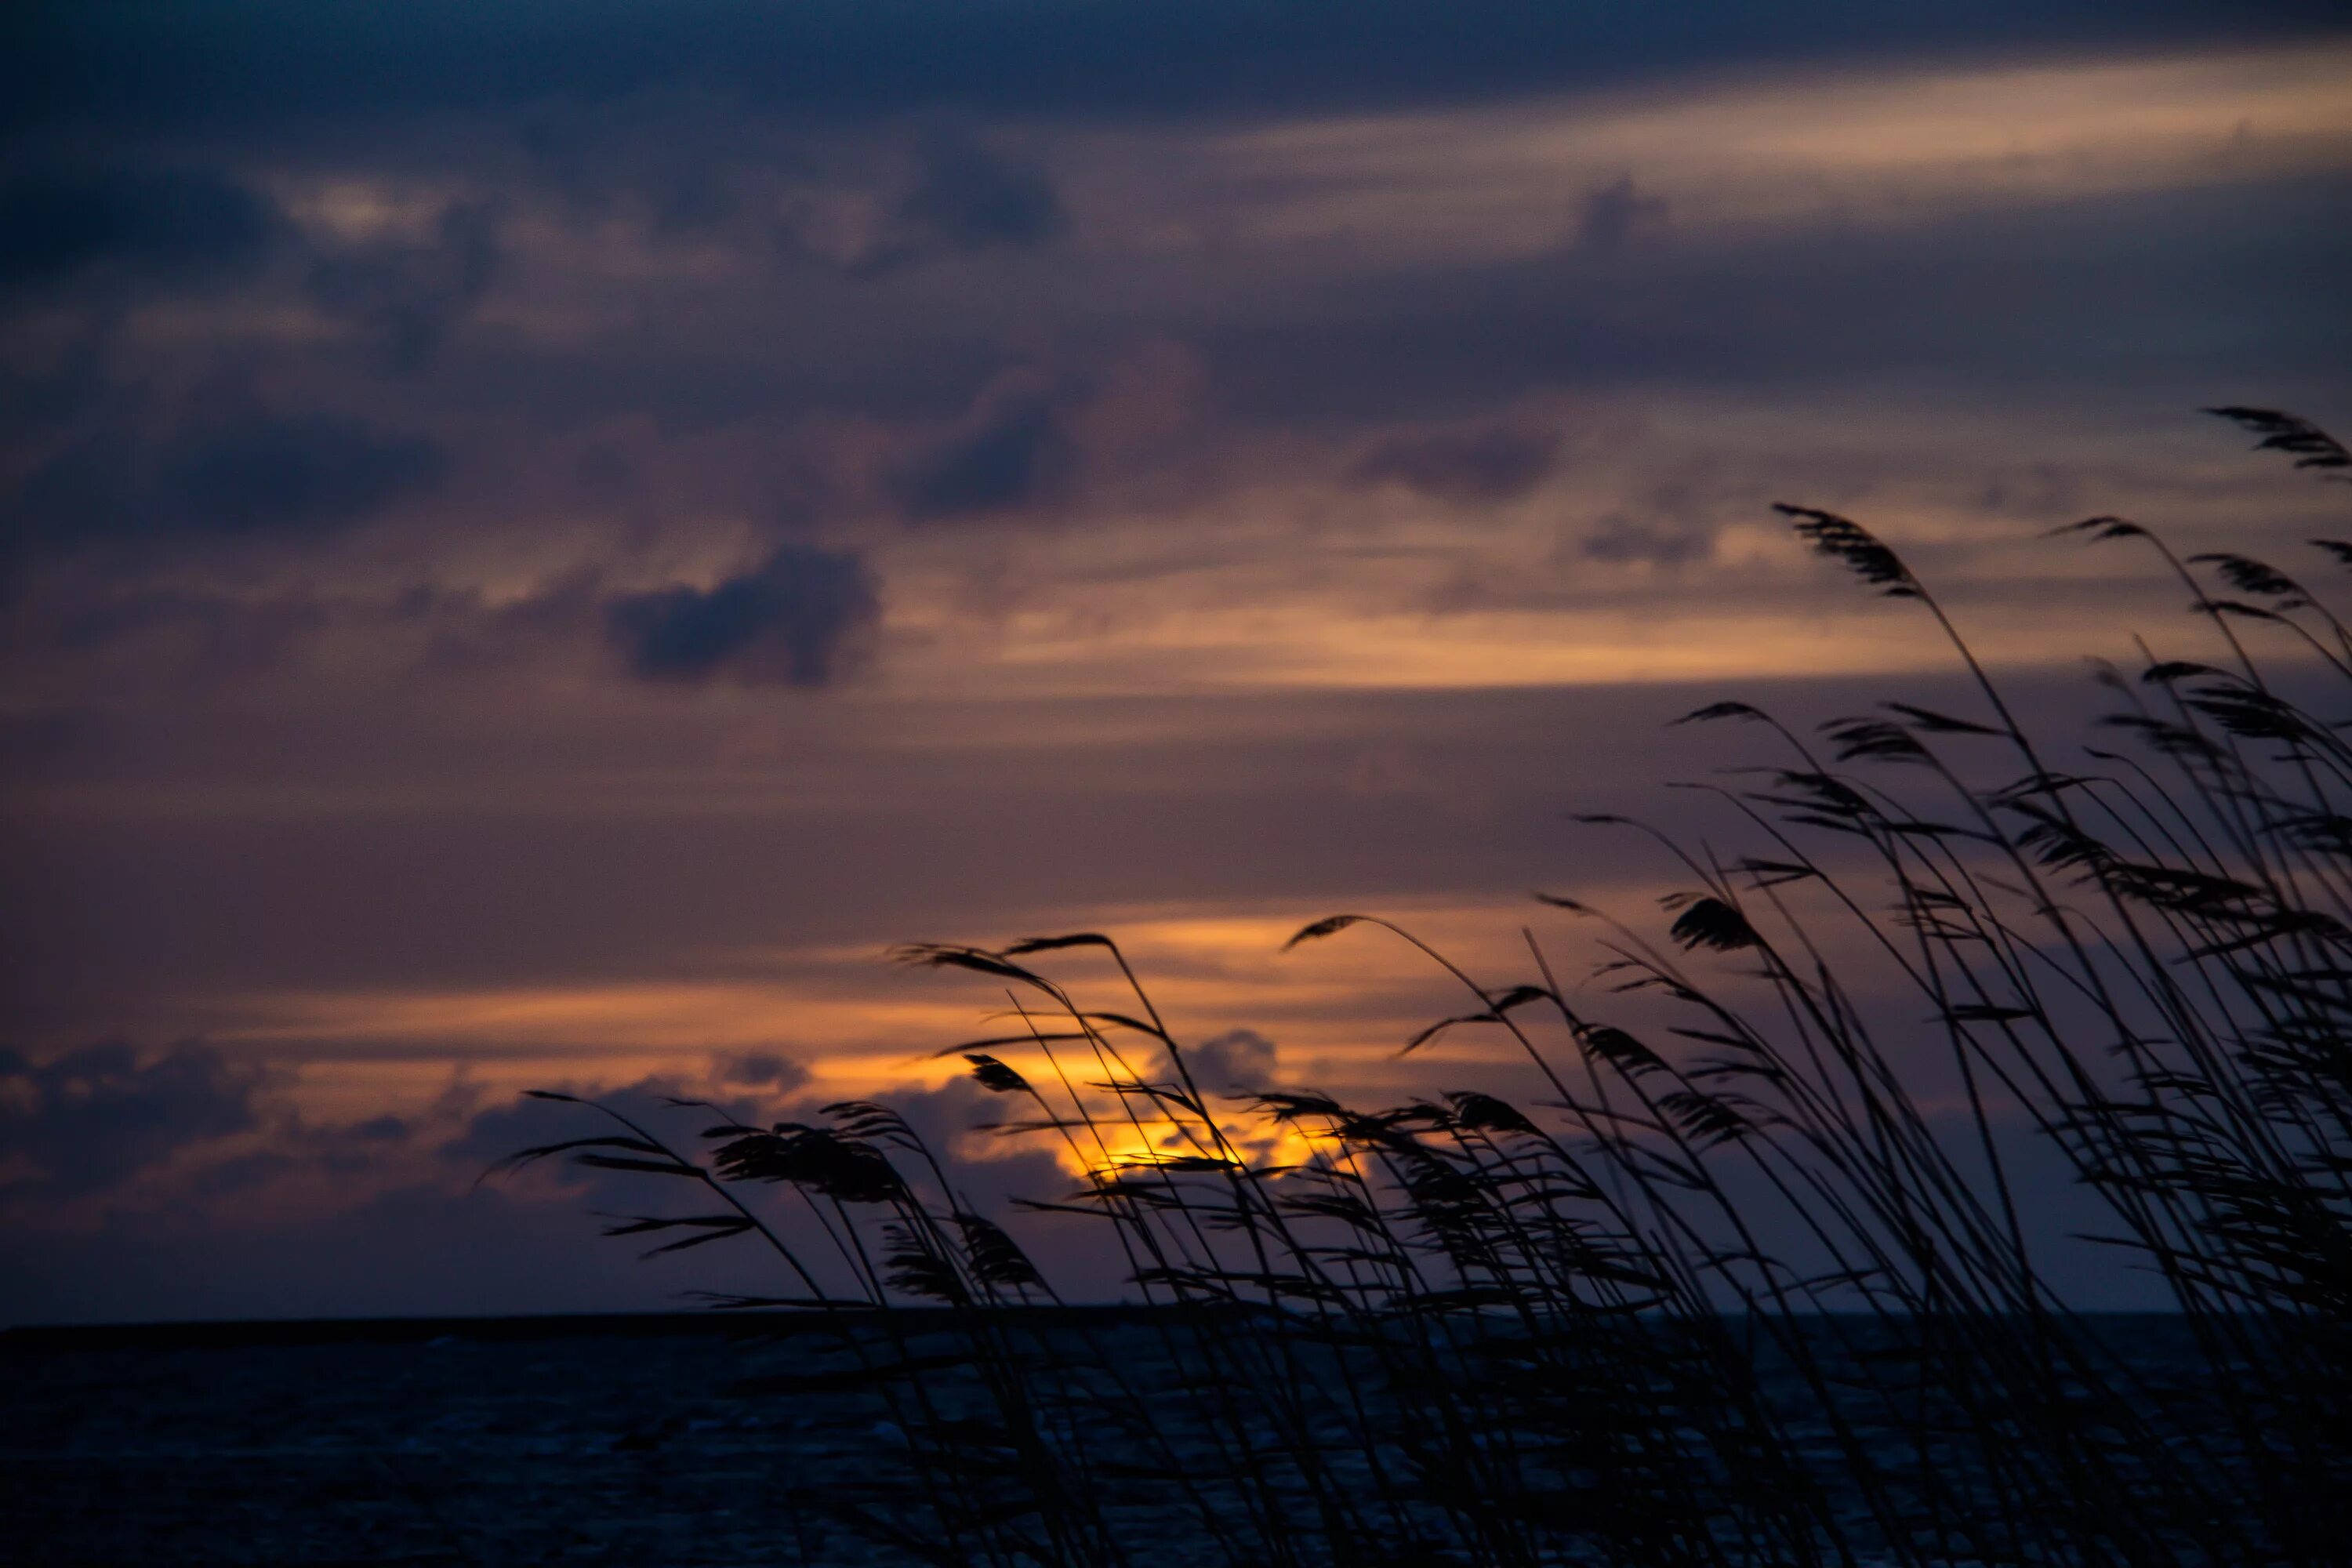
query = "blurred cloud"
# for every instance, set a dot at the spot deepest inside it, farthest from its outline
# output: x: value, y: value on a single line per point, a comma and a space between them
x: 203, y: 635
x: 97, y: 1115
x: 239, y: 473
x: 1013, y: 451
x: 763, y: 1069
x: 382, y: 1130
x: 405, y: 297
x: 964, y: 198
x: 1616, y: 213
x: 835, y: 59
x: 168, y: 227
x: 792, y: 619
x: 1470, y: 468
x: 1239, y: 1061
x: 1679, y: 521
x: 1620, y: 537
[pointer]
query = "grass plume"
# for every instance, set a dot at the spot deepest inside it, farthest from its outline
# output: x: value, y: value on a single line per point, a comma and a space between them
x: 1734, y: 1291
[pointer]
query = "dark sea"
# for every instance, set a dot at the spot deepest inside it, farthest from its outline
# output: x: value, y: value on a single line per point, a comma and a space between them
x: 660, y: 1440
x: 516, y: 1441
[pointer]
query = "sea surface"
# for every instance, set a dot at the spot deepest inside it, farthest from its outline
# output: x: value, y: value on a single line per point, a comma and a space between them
x: 692, y: 1441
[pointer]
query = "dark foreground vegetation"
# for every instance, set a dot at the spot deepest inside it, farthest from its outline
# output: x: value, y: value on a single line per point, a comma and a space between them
x: 1748, y: 1281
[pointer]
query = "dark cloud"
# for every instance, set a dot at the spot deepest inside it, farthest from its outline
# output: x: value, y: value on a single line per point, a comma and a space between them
x: 241, y: 1174
x: 1013, y: 451
x: 422, y: 1248
x: 156, y: 226
x: 965, y: 198
x: 381, y: 1130
x: 1467, y: 467
x: 405, y: 297
x: 487, y: 1139
x: 675, y: 1107
x: 96, y: 1115
x: 27, y: 740
x: 1673, y: 522
x: 244, y: 474
x: 449, y: 1244
x: 497, y: 1133
x: 200, y: 633
x: 2084, y: 301
x: 248, y: 63
x: 1658, y: 541
x: 956, y: 1121
x: 762, y: 1069
x: 287, y: 473
x: 1239, y: 1061
x: 790, y: 619
x: 1615, y: 214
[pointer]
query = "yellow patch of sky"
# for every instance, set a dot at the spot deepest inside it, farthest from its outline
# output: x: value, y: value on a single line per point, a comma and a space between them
x: 1341, y: 1007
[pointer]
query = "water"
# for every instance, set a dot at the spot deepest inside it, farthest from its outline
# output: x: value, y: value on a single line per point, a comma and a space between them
x: 586, y: 1448
x: 694, y: 1443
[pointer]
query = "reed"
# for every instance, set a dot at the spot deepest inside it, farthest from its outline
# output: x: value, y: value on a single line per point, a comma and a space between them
x: 1736, y: 1291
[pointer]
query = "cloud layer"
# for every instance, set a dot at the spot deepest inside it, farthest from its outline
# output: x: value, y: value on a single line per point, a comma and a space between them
x: 531, y: 546
x: 785, y: 619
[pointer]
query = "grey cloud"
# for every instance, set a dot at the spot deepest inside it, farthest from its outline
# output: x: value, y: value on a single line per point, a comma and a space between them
x: 158, y: 226
x: 965, y: 198
x: 381, y: 1130
x: 499, y: 1132
x: 674, y: 1106
x: 241, y: 1174
x: 422, y: 1248
x: 87, y: 1120
x: 955, y: 1120
x: 1617, y: 212
x: 246, y: 63
x: 1661, y: 541
x: 1673, y: 523
x: 1491, y: 464
x: 243, y: 474
x: 762, y: 1069
x: 489, y: 1137
x: 1239, y: 1061
x: 264, y: 473
x: 2086, y: 300
x: 404, y: 297
x: 790, y: 619
x: 28, y: 739
x: 1014, y: 451
x: 205, y: 633
x: 446, y: 1244
x: 683, y: 159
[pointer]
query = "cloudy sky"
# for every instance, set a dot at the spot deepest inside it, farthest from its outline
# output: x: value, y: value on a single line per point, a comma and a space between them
x: 536, y: 541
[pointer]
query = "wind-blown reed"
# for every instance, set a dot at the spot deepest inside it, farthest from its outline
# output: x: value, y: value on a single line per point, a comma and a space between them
x: 1736, y: 1292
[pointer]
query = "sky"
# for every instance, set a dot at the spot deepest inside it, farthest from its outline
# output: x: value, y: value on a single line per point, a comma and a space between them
x: 535, y: 541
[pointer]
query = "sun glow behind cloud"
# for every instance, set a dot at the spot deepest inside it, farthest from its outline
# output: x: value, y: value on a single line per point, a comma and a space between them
x: 860, y: 1023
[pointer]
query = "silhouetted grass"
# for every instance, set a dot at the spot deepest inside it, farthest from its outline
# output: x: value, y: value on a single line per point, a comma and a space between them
x: 1737, y: 1291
